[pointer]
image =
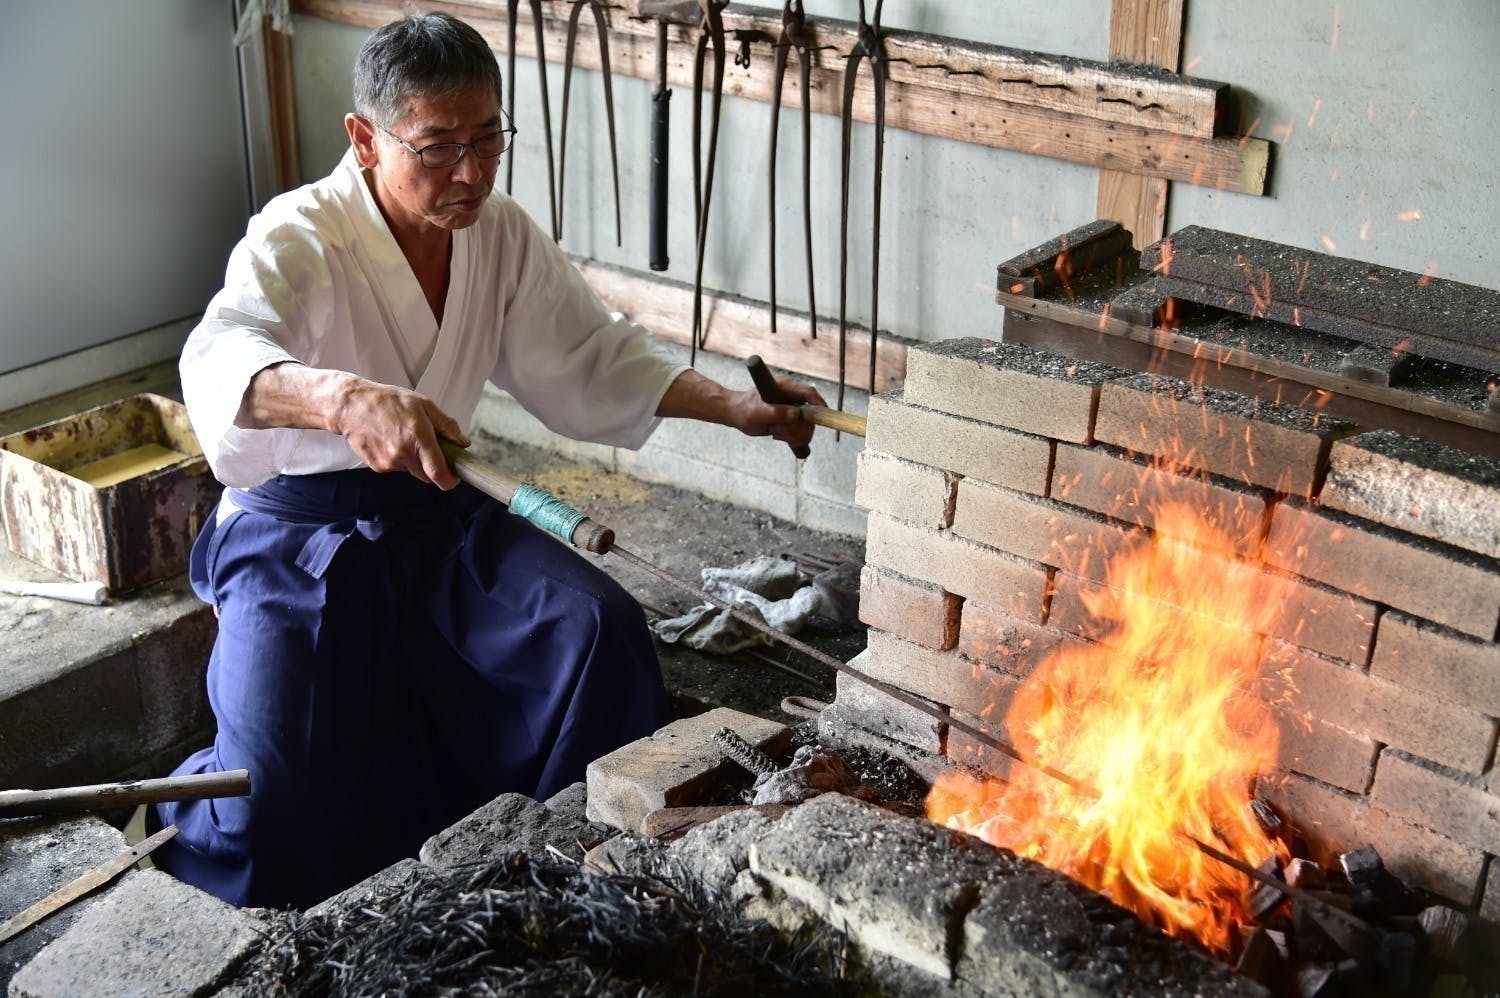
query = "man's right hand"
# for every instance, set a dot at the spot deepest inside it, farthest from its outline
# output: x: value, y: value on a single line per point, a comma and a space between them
x: 388, y: 428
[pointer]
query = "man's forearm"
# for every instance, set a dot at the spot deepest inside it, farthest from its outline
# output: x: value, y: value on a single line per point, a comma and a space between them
x: 295, y: 396
x: 693, y: 396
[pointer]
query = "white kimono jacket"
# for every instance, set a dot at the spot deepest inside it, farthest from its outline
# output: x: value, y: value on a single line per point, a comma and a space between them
x: 319, y: 279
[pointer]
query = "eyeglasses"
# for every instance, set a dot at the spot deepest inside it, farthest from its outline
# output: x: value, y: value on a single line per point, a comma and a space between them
x: 444, y: 154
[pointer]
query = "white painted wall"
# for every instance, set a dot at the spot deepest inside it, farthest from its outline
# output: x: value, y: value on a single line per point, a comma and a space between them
x: 1381, y: 110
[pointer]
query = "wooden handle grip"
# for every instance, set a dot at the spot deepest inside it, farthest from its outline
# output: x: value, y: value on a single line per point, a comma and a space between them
x: 834, y: 419
x: 770, y: 392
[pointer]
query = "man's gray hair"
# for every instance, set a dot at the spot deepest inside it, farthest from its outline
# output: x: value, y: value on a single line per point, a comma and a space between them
x: 429, y: 54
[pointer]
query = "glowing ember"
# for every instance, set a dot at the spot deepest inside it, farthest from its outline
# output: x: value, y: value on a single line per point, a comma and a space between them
x: 1162, y: 721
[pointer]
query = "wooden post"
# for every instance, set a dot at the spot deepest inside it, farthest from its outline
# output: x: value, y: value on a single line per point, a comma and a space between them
x: 1148, y: 31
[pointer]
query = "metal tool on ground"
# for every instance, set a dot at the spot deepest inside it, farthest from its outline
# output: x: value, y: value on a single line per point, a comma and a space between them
x: 91, y: 593
x: 94, y: 879
x: 602, y: 30
x: 794, y: 36
x: 770, y: 392
x: 710, y: 33
x: 512, y: 8
x: 868, y: 47
x: 475, y: 471
x: 101, y: 796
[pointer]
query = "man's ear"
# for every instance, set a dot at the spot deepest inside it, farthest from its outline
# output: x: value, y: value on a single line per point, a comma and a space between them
x: 362, y: 138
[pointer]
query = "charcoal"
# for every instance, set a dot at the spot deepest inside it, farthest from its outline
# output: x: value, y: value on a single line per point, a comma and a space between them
x: 1311, y: 941
x: 1316, y: 980
x: 1266, y: 816
x: 1261, y: 959
x: 1304, y: 873
x: 1361, y: 866
x: 1449, y: 934
x: 1262, y: 898
x: 1396, y: 959
x: 1281, y: 939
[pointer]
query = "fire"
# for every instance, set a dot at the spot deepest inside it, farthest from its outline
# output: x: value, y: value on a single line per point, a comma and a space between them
x: 1161, y: 729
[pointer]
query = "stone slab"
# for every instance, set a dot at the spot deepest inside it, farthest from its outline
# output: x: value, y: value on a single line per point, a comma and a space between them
x: 152, y: 935
x: 860, y: 703
x: 1008, y: 385
x: 509, y: 823
x: 395, y: 879
x: 37, y: 856
x: 1417, y: 486
x: 672, y: 767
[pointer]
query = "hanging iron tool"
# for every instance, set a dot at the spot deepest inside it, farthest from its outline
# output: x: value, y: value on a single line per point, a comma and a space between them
x: 710, y: 32
x: 794, y: 36
x: 661, y: 132
x: 868, y: 46
x: 597, y: 6
x: 512, y: 7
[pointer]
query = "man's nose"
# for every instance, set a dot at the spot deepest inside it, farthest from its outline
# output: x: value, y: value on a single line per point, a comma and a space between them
x: 468, y: 169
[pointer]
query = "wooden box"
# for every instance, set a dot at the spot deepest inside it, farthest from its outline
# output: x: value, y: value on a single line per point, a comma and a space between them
x: 114, y: 495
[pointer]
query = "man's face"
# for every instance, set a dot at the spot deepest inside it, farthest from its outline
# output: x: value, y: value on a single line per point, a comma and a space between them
x: 417, y: 197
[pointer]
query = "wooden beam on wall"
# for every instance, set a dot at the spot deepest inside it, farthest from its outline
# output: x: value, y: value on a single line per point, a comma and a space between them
x: 1144, y: 31
x: 941, y: 105
x: 283, y: 103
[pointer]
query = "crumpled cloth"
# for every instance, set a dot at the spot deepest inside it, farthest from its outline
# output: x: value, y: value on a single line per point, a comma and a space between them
x: 813, y: 771
x: 773, y: 589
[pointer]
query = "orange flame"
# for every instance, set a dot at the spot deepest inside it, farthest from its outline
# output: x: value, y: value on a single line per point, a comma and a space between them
x: 1162, y: 721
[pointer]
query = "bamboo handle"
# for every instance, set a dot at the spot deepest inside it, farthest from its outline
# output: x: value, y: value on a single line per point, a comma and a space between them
x: 75, y: 800
x: 834, y: 419
x: 589, y: 534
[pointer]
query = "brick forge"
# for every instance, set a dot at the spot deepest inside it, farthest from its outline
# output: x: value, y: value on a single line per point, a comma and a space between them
x: 1001, y: 479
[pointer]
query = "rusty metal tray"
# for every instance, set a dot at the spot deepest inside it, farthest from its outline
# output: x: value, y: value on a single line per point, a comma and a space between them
x: 115, y: 494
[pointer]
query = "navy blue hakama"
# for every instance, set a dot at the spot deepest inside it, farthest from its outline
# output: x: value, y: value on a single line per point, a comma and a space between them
x: 390, y: 657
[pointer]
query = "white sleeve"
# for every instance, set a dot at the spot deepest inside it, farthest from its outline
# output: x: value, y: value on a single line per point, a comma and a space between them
x: 276, y: 292
x: 582, y: 372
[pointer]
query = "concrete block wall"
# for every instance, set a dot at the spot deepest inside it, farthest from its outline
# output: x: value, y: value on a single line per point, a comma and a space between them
x: 718, y: 461
x: 1001, y: 481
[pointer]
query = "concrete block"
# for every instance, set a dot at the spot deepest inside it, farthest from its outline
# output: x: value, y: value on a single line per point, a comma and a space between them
x: 713, y: 480
x: 1109, y: 481
x: 571, y: 801
x: 1041, y: 530
x: 1309, y: 684
x: 1326, y: 620
x: 151, y: 935
x: 1422, y: 577
x: 1455, y: 804
x: 1008, y: 385
x: 959, y: 566
x: 1003, y: 642
x: 1093, y: 611
x: 672, y: 767
x: 1326, y: 752
x: 831, y: 517
x: 964, y: 749
x: 970, y: 448
x: 509, y: 823
x: 1248, y: 440
x: 1418, y: 486
x: 500, y: 415
x: 717, y: 852
x: 905, y: 490
x: 37, y: 856
x: 79, y: 724
x: 841, y: 730
x: 943, y: 677
x: 874, y: 710
x: 1421, y: 655
x: 395, y: 880
x: 712, y: 443
x: 172, y: 669
x: 916, y: 610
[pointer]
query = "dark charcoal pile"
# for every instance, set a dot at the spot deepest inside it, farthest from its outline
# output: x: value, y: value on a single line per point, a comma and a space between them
x: 528, y: 926
x: 1354, y: 928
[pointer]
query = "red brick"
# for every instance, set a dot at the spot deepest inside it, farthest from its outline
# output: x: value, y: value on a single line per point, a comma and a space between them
x: 1001, y: 641
x: 1425, y: 578
x: 965, y: 749
x: 1007, y: 385
x: 1040, y: 530
x: 1418, y: 486
x: 917, y: 611
x: 1423, y: 656
x: 1306, y: 683
x: 1325, y: 752
x: 1453, y: 804
x: 1274, y: 603
x: 1335, y: 821
x: 964, y: 446
x: 1108, y: 481
x: 905, y: 490
x: 957, y: 565
x: 1254, y: 441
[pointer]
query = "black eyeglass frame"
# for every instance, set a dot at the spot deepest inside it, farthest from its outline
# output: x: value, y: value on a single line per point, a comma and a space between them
x: 508, y: 130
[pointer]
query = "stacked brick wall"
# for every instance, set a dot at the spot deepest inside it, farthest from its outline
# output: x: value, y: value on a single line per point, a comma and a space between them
x: 1001, y: 482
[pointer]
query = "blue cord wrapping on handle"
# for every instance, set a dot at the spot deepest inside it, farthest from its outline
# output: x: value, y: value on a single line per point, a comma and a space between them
x: 546, y: 511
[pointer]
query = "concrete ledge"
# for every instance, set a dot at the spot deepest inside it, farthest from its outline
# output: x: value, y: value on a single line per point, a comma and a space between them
x: 510, y: 822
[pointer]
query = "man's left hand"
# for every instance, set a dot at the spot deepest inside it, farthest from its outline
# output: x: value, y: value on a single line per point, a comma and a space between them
x: 696, y: 397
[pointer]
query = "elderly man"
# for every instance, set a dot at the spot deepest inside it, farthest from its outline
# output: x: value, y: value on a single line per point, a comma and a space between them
x: 395, y: 649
